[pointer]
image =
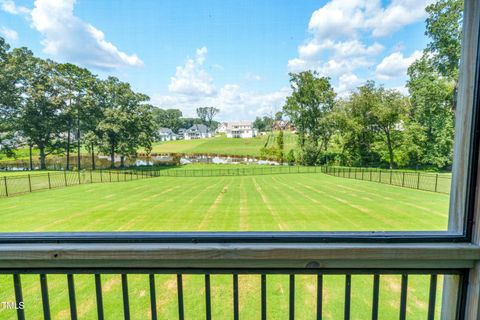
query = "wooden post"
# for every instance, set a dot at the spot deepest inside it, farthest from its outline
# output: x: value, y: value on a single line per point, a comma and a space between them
x: 418, y: 181
x: 29, y: 183
x: 49, y: 184
x: 91, y: 177
x: 436, y: 182
x: 65, y: 176
x: 391, y: 172
x: 403, y: 179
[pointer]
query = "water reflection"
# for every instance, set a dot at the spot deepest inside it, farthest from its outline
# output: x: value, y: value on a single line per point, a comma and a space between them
x: 103, y: 162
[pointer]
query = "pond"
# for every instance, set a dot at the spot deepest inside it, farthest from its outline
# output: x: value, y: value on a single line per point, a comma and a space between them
x: 103, y: 162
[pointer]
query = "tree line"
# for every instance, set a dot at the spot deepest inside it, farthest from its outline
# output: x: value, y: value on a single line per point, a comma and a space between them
x: 61, y: 108
x: 375, y: 126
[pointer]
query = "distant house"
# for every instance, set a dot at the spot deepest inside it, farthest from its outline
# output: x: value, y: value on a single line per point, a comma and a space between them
x: 240, y: 129
x: 166, y: 134
x: 197, y: 131
x: 222, y: 128
x: 283, y: 125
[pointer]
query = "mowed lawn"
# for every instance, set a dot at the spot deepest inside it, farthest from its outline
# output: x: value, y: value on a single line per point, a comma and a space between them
x: 289, y: 202
x: 223, y: 145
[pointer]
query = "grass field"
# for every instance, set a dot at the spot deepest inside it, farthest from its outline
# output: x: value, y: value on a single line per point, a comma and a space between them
x: 223, y: 145
x: 268, y: 202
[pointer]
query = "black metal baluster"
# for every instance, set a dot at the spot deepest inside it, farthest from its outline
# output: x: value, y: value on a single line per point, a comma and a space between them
x: 17, y: 284
x: 98, y: 292
x: 348, y: 289
x: 45, y: 300
x: 180, y: 297
x: 208, y: 305
x: 432, y: 297
x: 71, y: 297
x: 264, y: 296
x: 292, y: 297
x: 376, y: 289
x: 403, y: 297
x: 126, y: 303
x: 319, y: 296
x: 235, y: 297
x: 153, y: 297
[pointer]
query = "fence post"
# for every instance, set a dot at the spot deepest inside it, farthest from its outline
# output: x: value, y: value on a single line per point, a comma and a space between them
x: 79, y: 178
x: 29, y: 183
x: 403, y: 179
x: 49, y: 184
x: 370, y: 175
x: 363, y: 170
x: 91, y: 177
x: 110, y: 174
x: 6, y: 188
x: 418, y: 181
x: 101, y: 175
x: 436, y: 182
x: 391, y: 176
x: 380, y: 176
x: 65, y: 176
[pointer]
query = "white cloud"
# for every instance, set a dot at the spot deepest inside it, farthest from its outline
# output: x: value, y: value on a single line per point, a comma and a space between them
x: 9, y: 34
x: 340, y: 45
x: 192, y: 87
x: 346, y: 18
x: 231, y: 99
x: 395, y: 65
x: 9, y: 6
x: 398, y: 14
x: 192, y: 78
x: 250, y: 76
x: 68, y: 37
x: 346, y: 83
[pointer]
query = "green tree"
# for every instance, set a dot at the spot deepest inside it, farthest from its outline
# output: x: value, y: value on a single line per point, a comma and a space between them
x: 75, y: 83
x: 444, y: 28
x: 431, y: 114
x: 9, y: 99
x: 206, y: 114
x: 38, y: 117
x: 169, y: 118
x: 291, y: 157
x: 388, y: 115
x: 280, y: 146
x: 311, y: 100
x: 127, y: 124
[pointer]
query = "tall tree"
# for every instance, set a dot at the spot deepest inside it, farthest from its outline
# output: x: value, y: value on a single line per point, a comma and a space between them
x: 432, y: 113
x: 168, y: 118
x: 388, y: 120
x: 311, y: 100
x: 75, y: 84
x: 127, y: 122
x: 444, y: 28
x: 206, y: 114
x: 9, y: 99
x: 39, y: 118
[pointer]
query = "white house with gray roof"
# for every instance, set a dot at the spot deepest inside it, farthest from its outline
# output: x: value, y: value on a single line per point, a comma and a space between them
x: 240, y: 129
x: 197, y: 131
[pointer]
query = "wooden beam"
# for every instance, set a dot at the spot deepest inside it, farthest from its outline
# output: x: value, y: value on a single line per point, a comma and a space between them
x: 268, y: 255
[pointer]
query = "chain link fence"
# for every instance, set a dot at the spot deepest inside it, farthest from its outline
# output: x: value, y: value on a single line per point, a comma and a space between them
x: 436, y: 182
x: 41, y: 181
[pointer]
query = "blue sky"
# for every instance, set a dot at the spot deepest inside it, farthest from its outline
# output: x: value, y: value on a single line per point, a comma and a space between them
x: 234, y: 55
